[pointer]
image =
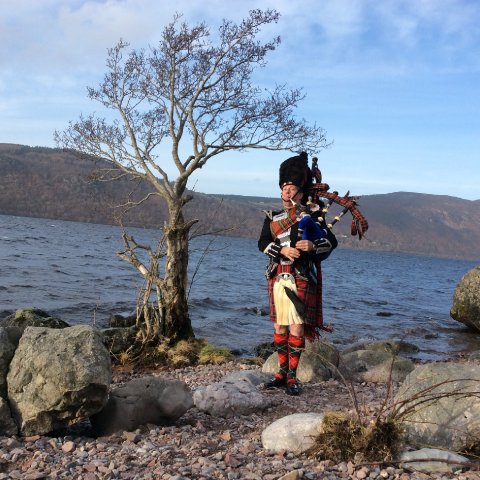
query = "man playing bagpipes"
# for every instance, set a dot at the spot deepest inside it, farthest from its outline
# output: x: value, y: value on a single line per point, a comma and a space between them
x: 297, y: 239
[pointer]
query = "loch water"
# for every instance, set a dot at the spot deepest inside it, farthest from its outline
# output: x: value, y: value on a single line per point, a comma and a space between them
x: 71, y: 270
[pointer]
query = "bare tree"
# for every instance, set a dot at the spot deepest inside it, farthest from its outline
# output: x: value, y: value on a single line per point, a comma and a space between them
x: 181, y: 103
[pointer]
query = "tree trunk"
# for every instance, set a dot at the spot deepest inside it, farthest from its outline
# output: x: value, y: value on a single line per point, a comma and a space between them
x: 177, y: 324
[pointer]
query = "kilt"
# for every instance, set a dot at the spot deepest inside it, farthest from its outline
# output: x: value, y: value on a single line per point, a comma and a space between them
x: 311, y: 296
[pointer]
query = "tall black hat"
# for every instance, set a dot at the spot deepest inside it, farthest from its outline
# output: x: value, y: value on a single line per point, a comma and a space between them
x: 295, y: 171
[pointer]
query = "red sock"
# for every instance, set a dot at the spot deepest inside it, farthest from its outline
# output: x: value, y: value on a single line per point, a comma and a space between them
x: 281, y: 345
x: 296, y: 345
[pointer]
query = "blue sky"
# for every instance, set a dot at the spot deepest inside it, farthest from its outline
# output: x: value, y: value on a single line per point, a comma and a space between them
x: 395, y: 84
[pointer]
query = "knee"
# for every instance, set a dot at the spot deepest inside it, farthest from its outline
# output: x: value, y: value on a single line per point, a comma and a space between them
x: 297, y: 330
x: 280, y: 329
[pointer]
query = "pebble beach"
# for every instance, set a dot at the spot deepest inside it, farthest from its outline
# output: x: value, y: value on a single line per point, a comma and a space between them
x: 200, y: 446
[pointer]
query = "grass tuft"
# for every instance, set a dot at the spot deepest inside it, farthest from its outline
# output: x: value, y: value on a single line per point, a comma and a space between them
x: 181, y: 354
x: 345, y: 436
x: 216, y: 355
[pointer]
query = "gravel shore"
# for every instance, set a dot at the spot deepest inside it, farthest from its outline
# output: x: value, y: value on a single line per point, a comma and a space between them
x: 199, y: 446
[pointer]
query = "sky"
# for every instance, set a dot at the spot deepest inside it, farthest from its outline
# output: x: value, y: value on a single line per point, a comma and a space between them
x: 394, y: 83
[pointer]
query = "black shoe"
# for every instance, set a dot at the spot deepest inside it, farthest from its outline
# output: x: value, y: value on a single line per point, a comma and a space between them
x: 293, y: 389
x: 276, y: 383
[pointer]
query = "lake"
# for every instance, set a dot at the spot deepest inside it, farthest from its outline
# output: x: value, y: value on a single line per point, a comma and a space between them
x: 70, y: 270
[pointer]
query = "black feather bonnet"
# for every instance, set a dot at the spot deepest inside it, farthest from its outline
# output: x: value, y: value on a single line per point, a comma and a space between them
x: 295, y: 171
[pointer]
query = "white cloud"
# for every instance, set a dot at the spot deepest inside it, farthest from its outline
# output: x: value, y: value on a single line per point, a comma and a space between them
x: 371, y: 35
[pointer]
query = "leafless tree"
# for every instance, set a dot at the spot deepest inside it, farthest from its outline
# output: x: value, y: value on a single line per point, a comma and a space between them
x: 188, y: 99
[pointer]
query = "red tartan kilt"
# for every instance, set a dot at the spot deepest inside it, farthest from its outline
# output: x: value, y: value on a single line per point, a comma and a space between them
x: 310, y: 294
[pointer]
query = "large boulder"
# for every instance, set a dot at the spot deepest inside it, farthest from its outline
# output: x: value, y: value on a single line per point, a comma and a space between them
x: 295, y: 433
x: 229, y: 398
x: 57, y: 377
x: 375, y: 366
x: 441, y: 406
x: 32, y: 317
x: 9, y: 338
x: 140, y: 401
x: 466, y: 300
x: 319, y: 362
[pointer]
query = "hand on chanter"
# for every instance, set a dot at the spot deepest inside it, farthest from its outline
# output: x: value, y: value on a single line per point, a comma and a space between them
x: 290, y: 252
x: 304, y: 245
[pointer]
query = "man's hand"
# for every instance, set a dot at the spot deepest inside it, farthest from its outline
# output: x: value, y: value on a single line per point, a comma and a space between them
x: 304, y: 245
x: 290, y: 252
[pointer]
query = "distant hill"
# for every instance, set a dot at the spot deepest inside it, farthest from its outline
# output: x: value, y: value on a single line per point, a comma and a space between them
x: 52, y: 183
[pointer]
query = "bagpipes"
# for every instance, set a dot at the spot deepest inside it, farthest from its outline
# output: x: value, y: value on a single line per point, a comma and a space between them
x: 320, y: 190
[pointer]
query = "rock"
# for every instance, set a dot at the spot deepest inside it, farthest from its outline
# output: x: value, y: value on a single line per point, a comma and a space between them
x: 118, y: 339
x: 466, y: 300
x: 7, y: 425
x: 318, y: 362
x: 264, y: 350
x: 68, y: 446
x: 119, y: 321
x: 293, y: 475
x: 32, y: 317
x: 9, y: 338
x: 229, y: 398
x: 252, y: 376
x: 226, y: 436
x: 295, y: 433
x: 375, y: 366
x: 448, y: 414
x: 140, y: 401
x: 391, y: 346
x: 415, y: 460
x: 57, y: 376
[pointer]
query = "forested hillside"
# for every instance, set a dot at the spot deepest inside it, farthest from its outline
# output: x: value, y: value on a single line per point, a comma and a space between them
x: 51, y: 183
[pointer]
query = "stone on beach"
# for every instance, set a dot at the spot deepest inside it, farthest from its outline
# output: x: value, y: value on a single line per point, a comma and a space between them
x: 447, y: 413
x: 294, y: 433
x: 375, y: 366
x: 57, y: 376
x: 431, y: 460
x: 391, y: 346
x: 255, y: 377
x: 141, y: 401
x: 229, y: 398
x: 32, y: 317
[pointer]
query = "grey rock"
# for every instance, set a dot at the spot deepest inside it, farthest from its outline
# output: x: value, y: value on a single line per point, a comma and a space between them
x: 441, y: 461
x: 140, y: 401
x: 32, y: 317
x: 57, y: 377
x: 295, y: 433
x: 264, y: 350
x: 254, y: 377
x: 448, y: 414
x: 391, y: 346
x: 9, y: 338
x: 466, y: 300
x: 375, y: 366
x: 319, y: 362
x: 226, y: 399
x: 119, y: 321
x: 7, y: 425
x: 118, y: 339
